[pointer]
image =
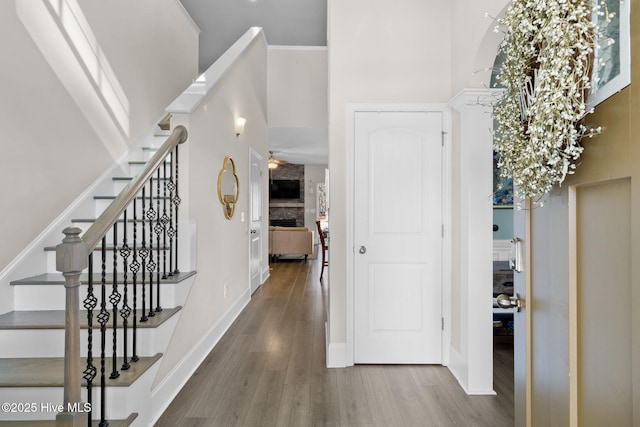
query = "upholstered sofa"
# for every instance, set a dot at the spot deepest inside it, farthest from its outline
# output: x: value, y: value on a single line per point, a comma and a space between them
x: 290, y: 241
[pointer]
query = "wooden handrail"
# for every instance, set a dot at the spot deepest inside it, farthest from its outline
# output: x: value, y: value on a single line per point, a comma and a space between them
x: 101, y: 226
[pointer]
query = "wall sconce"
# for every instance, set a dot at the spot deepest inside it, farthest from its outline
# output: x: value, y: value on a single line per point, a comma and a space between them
x: 239, y: 125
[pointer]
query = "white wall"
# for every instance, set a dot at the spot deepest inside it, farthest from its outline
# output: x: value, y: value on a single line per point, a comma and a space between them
x: 297, y: 100
x: 297, y: 87
x: 222, y: 245
x: 474, y: 41
x: 51, y: 151
x: 417, y: 51
x: 379, y: 51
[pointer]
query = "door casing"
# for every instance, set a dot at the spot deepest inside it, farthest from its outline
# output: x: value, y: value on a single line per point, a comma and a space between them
x: 352, y: 109
x: 255, y: 225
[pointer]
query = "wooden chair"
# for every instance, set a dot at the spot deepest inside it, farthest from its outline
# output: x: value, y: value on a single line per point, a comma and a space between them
x: 324, y: 248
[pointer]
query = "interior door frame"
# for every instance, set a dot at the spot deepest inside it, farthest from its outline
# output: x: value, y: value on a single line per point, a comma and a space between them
x: 254, y: 154
x: 351, y: 111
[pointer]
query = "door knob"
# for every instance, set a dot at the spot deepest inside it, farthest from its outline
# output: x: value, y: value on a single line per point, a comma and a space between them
x: 506, y: 301
x: 363, y: 250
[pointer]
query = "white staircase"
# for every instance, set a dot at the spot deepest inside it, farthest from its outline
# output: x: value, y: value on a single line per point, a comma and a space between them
x: 32, y: 335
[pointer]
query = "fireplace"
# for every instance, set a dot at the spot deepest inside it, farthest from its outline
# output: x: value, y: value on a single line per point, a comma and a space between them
x: 285, y: 222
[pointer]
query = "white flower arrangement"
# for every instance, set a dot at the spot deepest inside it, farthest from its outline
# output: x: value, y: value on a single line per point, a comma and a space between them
x: 548, y: 51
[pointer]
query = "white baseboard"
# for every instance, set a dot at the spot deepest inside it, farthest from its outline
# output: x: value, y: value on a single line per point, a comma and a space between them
x: 336, y: 352
x: 266, y: 273
x: 458, y: 367
x: 489, y: 392
x: 164, y: 393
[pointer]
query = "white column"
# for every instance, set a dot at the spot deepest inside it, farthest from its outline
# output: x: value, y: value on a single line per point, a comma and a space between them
x: 472, y: 363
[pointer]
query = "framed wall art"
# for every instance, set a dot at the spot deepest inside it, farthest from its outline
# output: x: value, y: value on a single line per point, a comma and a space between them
x: 614, y: 54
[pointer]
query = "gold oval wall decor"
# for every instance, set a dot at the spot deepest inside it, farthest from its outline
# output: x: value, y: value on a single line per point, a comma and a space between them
x: 228, y: 187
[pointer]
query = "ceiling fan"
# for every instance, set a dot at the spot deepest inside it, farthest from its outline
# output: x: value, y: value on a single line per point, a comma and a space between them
x: 274, y: 163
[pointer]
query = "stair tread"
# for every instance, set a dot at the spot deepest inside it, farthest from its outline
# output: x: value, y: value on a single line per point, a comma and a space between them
x: 52, y: 423
x: 49, y: 371
x: 55, y: 319
x: 57, y: 279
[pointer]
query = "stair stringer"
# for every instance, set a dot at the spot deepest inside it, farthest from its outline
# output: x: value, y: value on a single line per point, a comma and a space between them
x: 32, y: 260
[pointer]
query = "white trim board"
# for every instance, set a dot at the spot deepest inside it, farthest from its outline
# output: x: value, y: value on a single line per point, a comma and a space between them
x: 336, y: 352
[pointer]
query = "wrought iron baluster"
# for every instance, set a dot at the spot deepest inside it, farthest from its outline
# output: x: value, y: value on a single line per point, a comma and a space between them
x: 103, y: 319
x: 114, y: 299
x: 125, y: 310
x: 158, y: 230
x: 151, y: 265
x: 176, y: 202
x: 135, y: 268
x: 171, y: 231
x: 144, y: 253
x: 165, y: 221
x: 90, y: 303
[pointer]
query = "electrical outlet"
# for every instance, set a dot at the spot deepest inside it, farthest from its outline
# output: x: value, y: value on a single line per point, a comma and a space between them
x: 226, y: 290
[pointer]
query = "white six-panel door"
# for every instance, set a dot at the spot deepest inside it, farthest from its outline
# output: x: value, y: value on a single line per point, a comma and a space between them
x: 398, y: 237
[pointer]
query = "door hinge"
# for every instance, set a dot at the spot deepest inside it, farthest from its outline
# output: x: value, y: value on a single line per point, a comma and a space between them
x: 443, y: 133
x: 442, y: 230
x: 442, y: 318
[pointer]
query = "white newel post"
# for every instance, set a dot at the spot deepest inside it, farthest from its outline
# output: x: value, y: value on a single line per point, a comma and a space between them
x: 71, y: 259
x: 472, y: 364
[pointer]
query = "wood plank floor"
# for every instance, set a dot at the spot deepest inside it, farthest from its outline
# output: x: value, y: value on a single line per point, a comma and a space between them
x: 269, y: 370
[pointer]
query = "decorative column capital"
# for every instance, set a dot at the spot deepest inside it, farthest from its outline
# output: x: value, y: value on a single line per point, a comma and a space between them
x: 467, y: 98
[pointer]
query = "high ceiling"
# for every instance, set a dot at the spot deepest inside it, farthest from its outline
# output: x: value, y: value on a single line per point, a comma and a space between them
x: 285, y: 23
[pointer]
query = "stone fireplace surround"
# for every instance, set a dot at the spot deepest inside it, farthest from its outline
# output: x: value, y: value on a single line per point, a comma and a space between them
x: 287, y: 211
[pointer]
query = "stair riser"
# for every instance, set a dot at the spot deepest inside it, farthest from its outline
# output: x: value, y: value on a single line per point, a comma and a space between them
x: 119, y: 185
x: 144, y: 154
x: 97, y: 263
x: 52, y: 297
x: 135, y: 168
x: 50, y: 342
x: 120, y: 401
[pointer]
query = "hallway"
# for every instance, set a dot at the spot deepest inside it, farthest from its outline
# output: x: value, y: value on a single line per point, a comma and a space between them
x: 269, y: 370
